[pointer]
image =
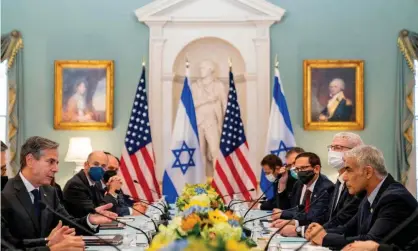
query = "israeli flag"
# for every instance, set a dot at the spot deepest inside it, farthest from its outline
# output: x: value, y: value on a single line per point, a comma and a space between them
x: 280, y: 136
x: 185, y: 165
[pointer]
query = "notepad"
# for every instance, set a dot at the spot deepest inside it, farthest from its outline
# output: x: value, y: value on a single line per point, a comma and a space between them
x: 290, y: 239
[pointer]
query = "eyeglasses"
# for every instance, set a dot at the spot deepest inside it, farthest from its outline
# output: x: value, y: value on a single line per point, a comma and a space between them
x: 301, y: 168
x: 338, y: 148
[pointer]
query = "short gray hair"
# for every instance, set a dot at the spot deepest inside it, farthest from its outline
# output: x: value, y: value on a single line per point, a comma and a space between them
x: 367, y: 155
x: 352, y: 138
x: 35, y: 145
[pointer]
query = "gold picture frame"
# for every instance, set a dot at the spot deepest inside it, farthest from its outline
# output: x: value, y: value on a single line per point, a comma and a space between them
x: 333, y: 94
x: 83, y: 95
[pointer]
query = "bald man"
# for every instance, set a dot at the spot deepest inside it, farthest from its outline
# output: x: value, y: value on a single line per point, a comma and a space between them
x: 339, y: 108
x: 84, y: 190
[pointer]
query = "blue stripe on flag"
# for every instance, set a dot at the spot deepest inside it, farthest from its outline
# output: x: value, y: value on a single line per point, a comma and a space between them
x: 187, y: 99
x: 280, y: 100
x: 168, y: 189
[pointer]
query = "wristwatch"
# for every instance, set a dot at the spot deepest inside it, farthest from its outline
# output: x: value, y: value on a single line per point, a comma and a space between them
x: 299, y: 231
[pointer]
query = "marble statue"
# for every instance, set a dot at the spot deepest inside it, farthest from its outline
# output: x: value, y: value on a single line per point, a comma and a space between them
x: 210, y: 97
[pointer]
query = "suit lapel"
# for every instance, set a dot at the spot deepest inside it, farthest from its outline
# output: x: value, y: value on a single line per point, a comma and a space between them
x: 45, y: 219
x: 24, y: 198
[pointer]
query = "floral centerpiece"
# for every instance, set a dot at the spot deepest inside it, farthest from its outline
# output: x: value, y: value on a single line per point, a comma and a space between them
x: 199, y: 194
x: 202, y: 224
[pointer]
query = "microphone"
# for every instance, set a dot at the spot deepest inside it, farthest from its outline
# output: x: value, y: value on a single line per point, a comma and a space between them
x: 356, y: 197
x: 242, y: 201
x: 149, y: 204
x: 7, y: 245
x: 93, y: 211
x: 262, y: 195
x: 268, y: 215
x: 227, y: 195
x: 152, y: 190
x: 401, y: 226
x: 44, y: 205
x: 300, y: 211
x: 153, y: 222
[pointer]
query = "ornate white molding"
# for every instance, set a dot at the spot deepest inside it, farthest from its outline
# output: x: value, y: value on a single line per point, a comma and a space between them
x: 240, y: 27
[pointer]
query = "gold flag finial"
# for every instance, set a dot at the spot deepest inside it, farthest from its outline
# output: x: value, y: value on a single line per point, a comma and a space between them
x: 187, y: 62
x: 276, y: 62
x: 143, y: 61
x: 230, y: 62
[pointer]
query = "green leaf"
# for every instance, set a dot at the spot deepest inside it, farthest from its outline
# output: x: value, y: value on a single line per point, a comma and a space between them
x: 250, y: 243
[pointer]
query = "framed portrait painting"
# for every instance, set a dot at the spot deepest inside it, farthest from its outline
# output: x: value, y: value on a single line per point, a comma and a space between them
x: 83, y: 95
x: 333, y: 94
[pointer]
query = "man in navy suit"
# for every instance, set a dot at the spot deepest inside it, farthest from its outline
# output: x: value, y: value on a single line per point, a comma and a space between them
x: 310, y: 197
x: 386, y: 205
x: 342, y: 206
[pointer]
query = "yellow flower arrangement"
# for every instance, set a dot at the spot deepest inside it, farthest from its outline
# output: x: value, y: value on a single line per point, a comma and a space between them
x: 217, y: 216
x: 189, y: 222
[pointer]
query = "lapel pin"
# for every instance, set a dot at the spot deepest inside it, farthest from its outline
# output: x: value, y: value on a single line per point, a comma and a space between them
x: 45, y: 194
x: 371, y: 210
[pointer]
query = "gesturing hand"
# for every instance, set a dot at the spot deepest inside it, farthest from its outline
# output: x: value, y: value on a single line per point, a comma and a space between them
x: 97, y: 219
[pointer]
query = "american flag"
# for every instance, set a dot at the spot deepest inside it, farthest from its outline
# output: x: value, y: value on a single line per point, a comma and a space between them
x: 233, y: 173
x: 137, y: 162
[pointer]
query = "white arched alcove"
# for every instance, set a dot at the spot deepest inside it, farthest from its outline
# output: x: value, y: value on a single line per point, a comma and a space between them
x: 240, y: 26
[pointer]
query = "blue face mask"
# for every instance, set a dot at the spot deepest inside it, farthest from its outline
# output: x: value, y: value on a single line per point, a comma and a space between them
x: 96, y: 173
x: 294, y: 174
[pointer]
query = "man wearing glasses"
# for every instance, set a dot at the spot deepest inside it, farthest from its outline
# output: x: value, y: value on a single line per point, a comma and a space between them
x: 310, y: 197
x: 341, y: 198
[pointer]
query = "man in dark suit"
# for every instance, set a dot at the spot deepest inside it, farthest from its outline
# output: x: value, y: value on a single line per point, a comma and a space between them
x: 386, y: 205
x: 312, y: 190
x: 84, y: 190
x: 341, y: 198
x: 24, y: 220
x: 121, y: 204
x: 273, y: 166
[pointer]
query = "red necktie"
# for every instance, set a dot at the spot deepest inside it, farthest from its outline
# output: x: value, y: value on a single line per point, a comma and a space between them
x: 307, y: 200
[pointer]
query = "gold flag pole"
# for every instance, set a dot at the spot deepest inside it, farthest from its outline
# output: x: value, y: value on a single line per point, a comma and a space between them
x: 276, y: 62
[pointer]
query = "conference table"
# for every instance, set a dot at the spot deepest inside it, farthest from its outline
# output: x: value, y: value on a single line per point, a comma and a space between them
x: 134, y: 240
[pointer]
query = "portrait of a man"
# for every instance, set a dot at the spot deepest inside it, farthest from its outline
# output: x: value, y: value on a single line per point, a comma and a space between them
x: 333, y: 92
x: 86, y: 95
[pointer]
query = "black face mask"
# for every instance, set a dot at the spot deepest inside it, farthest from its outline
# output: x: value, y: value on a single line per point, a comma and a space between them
x: 306, y: 176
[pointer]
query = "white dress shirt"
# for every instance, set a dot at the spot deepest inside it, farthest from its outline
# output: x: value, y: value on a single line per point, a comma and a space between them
x: 340, y: 189
x: 373, y: 194
x: 29, y: 187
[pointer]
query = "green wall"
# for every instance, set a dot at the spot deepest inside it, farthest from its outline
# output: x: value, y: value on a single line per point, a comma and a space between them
x: 97, y: 29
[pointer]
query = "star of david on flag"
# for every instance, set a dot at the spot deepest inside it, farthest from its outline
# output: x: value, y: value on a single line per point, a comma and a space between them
x: 184, y: 157
x: 185, y: 164
x: 280, y: 136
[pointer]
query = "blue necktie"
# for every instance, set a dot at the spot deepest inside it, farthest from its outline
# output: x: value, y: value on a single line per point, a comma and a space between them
x: 365, y: 219
x: 36, y: 199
